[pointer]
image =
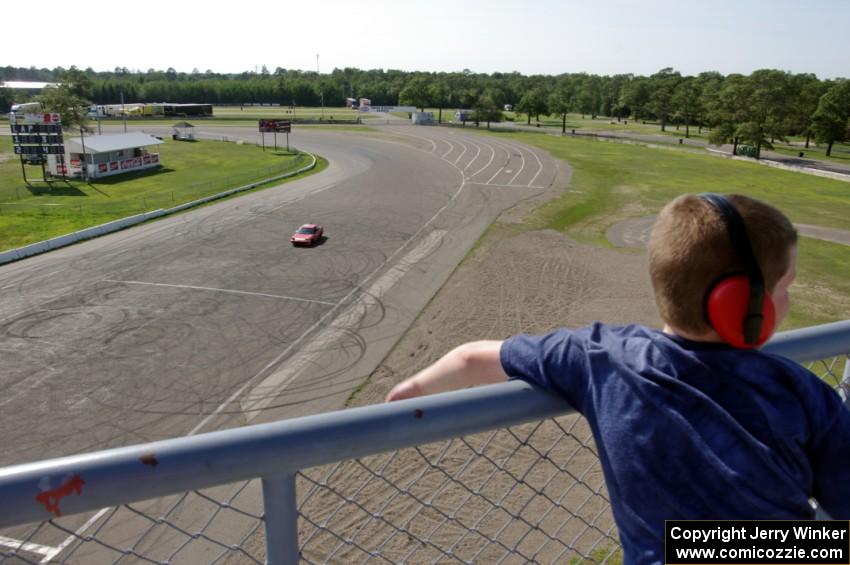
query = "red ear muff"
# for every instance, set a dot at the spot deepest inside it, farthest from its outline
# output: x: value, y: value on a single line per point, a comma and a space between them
x: 727, y: 306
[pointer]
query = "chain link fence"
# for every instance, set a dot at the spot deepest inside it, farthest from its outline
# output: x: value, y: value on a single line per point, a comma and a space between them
x: 531, y: 493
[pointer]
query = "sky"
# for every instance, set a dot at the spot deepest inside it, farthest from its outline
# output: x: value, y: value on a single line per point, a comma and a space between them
x: 528, y: 36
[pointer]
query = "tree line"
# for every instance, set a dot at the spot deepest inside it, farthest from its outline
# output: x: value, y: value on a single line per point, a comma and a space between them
x: 755, y: 109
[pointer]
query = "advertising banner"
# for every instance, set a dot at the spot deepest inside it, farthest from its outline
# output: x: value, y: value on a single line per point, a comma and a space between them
x: 275, y: 126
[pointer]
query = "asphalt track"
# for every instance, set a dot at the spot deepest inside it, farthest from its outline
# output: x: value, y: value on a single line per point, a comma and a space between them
x: 210, y: 319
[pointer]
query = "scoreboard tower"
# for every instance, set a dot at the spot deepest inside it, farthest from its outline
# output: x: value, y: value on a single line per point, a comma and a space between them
x: 34, y: 137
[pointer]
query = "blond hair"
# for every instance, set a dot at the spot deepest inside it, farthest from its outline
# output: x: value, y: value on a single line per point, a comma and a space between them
x: 690, y: 250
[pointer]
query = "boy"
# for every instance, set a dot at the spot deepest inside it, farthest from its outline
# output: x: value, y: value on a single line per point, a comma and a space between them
x: 688, y: 426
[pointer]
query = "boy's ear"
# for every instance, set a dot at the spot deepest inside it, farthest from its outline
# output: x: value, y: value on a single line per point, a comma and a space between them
x: 732, y: 315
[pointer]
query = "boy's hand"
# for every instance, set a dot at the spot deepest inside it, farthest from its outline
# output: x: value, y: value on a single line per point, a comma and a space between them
x: 470, y: 364
x: 405, y: 389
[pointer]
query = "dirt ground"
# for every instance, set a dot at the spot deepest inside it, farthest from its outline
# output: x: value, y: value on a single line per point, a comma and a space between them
x: 529, y: 282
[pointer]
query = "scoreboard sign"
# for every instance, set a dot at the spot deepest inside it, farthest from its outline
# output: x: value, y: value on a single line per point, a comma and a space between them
x: 37, y: 135
x: 275, y: 126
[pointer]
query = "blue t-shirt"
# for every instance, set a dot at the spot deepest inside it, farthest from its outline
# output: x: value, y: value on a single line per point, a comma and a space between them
x: 691, y: 430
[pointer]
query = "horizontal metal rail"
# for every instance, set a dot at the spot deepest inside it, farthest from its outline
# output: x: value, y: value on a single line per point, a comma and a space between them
x: 101, y: 479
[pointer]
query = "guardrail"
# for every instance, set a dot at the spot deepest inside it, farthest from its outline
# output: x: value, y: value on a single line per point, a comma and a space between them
x: 402, y: 482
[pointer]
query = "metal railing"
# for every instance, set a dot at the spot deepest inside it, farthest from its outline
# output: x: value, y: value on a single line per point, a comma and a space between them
x: 502, y: 473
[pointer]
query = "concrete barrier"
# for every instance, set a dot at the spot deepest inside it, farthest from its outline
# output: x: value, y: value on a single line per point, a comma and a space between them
x: 62, y: 241
x: 9, y: 256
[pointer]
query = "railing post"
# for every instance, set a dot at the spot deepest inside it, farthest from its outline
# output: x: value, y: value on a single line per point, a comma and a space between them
x: 281, y: 515
x: 844, y: 386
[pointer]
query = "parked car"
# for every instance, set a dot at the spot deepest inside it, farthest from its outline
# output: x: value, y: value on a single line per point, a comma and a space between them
x: 308, y: 234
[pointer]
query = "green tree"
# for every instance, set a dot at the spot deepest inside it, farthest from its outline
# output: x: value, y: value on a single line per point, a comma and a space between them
x: 663, y: 85
x: 588, y: 94
x: 634, y: 98
x: 6, y: 99
x: 727, y: 110
x: 831, y: 121
x: 486, y: 109
x: 71, y: 98
x: 709, y: 85
x: 766, y: 110
x: 439, y: 94
x: 686, y: 101
x: 416, y: 93
x: 806, y: 92
x: 561, y: 100
x: 533, y: 102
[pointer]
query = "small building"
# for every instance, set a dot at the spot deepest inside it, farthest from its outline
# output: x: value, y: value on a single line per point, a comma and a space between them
x: 183, y: 131
x: 422, y: 118
x: 107, y: 155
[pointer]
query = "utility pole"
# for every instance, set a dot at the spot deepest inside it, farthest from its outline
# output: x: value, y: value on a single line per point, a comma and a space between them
x: 321, y: 90
x: 83, y: 161
x: 123, y: 113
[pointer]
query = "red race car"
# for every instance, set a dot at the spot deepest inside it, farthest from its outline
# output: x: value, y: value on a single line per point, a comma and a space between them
x: 308, y: 234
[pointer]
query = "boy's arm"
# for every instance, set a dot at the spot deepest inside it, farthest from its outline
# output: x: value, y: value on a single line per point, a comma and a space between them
x: 470, y: 364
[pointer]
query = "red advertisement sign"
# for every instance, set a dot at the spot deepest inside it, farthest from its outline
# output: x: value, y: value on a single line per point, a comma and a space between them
x: 113, y: 166
x: 102, y: 167
x: 155, y: 158
x: 146, y: 159
x: 279, y: 126
x: 131, y: 163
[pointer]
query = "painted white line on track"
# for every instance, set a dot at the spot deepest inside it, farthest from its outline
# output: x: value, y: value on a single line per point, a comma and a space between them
x: 502, y: 168
x: 462, y: 153
x: 451, y: 148
x: 266, y: 392
x: 492, y: 156
x: 77, y: 535
x: 477, y: 153
x: 224, y: 290
x: 25, y: 546
x: 496, y: 185
x: 522, y: 166
x: 539, y: 169
x: 511, y: 147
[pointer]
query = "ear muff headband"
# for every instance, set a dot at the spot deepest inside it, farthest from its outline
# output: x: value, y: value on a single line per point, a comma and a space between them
x: 754, y: 312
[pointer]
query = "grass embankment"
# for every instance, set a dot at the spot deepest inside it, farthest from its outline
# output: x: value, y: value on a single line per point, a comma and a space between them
x: 190, y: 171
x: 615, y: 181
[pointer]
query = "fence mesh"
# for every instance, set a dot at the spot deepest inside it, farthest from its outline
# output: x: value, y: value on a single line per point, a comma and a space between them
x: 527, y: 494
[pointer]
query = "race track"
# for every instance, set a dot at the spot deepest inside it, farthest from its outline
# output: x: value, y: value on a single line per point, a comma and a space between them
x: 210, y: 319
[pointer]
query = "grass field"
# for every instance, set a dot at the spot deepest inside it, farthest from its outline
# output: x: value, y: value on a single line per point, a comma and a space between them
x: 615, y: 181
x: 190, y: 171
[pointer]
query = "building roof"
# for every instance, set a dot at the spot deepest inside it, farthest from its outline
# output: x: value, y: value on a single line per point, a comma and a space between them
x: 27, y: 85
x: 112, y: 142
